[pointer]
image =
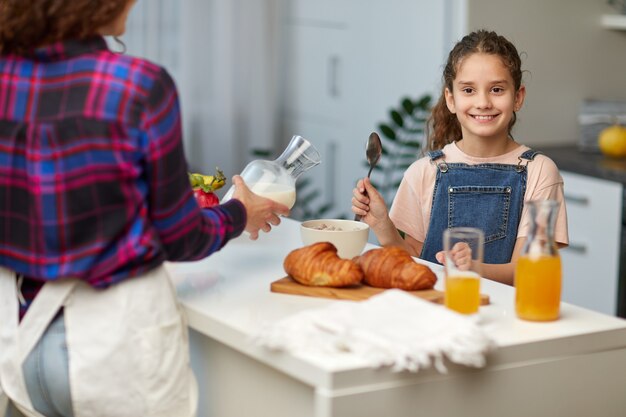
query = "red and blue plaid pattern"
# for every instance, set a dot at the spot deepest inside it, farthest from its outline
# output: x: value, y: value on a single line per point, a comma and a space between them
x: 93, y: 179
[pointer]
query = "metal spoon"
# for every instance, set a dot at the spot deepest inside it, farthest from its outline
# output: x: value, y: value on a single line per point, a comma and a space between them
x: 373, y: 150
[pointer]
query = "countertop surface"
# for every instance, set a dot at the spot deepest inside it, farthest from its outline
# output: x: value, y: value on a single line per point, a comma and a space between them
x: 227, y: 297
x: 570, y: 158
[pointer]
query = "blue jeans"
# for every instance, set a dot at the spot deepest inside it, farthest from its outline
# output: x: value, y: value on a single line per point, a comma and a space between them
x: 46, y: 374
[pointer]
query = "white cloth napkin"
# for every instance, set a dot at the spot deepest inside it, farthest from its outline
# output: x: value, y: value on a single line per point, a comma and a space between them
x: 390, y: 329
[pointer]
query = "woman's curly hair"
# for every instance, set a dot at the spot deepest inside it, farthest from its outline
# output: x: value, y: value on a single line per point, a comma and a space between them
x: 29, y: 24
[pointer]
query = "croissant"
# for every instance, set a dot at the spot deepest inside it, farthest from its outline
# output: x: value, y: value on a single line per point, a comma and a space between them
x: 393, y: 267
x: 319, y: 265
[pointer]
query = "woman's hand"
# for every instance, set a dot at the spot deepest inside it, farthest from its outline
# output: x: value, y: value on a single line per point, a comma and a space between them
x: 369, y: 204
x: 262, y: 212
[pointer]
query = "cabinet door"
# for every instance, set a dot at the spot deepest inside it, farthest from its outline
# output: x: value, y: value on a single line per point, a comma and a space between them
x: 315, y: 73
x: 591, y: 262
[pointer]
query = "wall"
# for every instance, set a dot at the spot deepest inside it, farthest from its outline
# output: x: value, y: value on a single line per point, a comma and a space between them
x: 569, y: 57
x: 222, y: 55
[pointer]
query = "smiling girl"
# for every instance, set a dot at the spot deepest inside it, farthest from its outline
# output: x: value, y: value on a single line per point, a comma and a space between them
x: 475, y: 174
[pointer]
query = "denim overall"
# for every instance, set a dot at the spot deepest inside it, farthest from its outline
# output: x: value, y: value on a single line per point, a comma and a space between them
x: 489, y: 197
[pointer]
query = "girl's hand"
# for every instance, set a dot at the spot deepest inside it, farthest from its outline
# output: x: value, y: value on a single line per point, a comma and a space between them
x: 368, y: 203
x: 460, y: 255
x: 262, y: 212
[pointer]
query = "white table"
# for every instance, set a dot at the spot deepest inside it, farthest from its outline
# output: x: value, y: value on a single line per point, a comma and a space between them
x: 575, y: 366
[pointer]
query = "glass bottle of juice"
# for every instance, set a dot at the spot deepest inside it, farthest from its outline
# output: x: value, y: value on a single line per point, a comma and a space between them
x: 538, y: 271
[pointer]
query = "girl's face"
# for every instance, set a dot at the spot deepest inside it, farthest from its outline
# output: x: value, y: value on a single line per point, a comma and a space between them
x: 483, y: 97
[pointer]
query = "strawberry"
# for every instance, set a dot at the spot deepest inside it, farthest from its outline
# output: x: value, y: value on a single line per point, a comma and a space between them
x: 204, y: 185
x: 205, y: 199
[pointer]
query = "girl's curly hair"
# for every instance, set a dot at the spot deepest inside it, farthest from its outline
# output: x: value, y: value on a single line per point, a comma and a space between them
x: 28, y: 24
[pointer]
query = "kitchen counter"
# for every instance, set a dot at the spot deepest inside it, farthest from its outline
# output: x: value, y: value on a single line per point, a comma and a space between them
x: 570, y: 158
x: 570, y: 367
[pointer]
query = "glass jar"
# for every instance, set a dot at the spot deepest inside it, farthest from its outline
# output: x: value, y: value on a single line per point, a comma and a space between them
x: 276, y: 179
x: 538, y: 270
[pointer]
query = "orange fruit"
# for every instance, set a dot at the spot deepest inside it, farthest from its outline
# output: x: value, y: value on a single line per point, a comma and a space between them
x: 612, y: 141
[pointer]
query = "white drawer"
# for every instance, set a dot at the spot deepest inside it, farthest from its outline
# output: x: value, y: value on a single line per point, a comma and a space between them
x: 591, y: 262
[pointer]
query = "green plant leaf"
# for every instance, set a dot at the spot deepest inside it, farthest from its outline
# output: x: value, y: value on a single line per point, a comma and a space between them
x: 397, y: 118
x: 407, y: 105
x: 262, y: 152
x: 387, y: 131
x: 424, y: 102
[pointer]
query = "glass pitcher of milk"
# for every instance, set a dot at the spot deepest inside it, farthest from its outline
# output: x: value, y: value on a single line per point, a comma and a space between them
x: 276, y: 179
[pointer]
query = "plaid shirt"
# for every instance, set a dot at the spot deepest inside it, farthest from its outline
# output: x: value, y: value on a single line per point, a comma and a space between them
x: 93, y: 179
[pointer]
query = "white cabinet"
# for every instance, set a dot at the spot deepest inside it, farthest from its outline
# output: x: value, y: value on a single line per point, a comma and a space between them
x: 314, y: 85
x: 591, y: 262
x: 347, y: 63
x: 315, y: 95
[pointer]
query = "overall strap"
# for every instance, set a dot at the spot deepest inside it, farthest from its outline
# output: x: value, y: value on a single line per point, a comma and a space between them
x: 529, y: 156
x: 438, y: 154
x: 434, y: 155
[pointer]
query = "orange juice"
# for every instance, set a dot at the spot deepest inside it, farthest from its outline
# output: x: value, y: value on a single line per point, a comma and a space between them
x: 538, y: 288
x: 463, y: 292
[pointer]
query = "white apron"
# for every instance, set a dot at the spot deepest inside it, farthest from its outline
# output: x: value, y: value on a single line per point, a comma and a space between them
x: 127, y: 346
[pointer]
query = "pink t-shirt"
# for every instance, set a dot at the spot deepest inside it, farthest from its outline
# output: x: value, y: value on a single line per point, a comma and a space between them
x: 410, y: 211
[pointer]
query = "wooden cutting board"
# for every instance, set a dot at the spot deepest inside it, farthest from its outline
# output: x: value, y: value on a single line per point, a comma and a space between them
x: 361, y: 292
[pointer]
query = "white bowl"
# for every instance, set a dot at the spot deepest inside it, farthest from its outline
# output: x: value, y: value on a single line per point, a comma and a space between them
x: 348, y: 236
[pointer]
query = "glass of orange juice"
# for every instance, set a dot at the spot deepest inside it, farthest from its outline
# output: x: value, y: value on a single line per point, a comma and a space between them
x: 463, y: 247
x: 538, y: 269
